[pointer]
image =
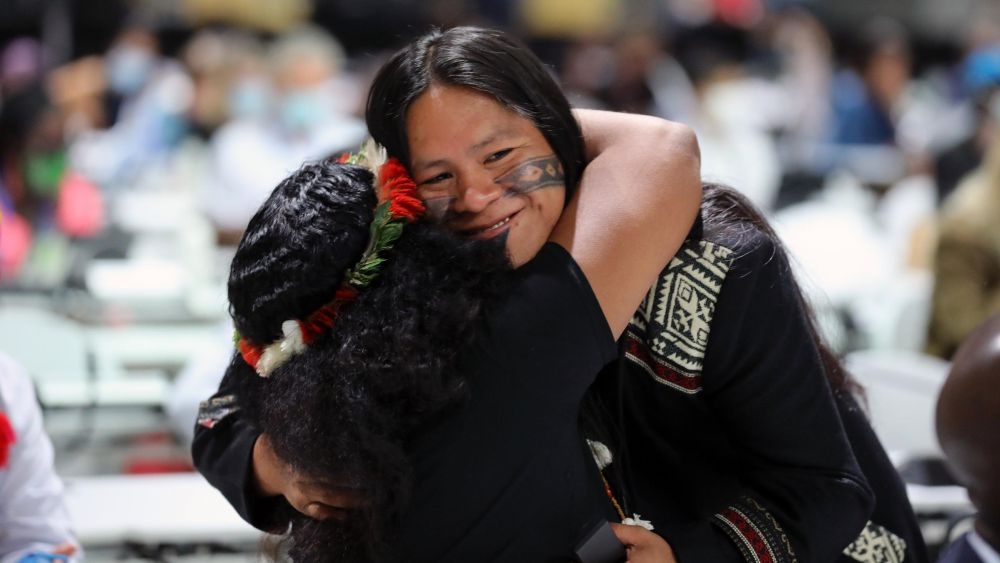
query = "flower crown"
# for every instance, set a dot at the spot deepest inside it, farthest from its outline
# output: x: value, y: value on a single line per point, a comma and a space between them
x: 398, y: 204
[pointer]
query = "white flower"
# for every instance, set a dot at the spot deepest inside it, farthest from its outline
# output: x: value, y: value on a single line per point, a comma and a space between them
x: 293, y: 342
x: 272, y: 357
x: 601, y: 453
x: 373, y: 155
x: 637, y: 520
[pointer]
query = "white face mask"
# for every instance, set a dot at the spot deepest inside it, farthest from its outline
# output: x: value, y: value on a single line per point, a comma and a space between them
x: 304, y: 110
x: 250, y: 99
x: 128, y: 69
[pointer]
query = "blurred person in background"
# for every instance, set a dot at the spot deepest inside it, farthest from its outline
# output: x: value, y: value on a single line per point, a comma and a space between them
x: 146, y: 107
x: 980, y: 80
x: 967, y: 419
x: 43, y: 200
x: 34, y: 522
x: 866, y: 94
x: 20, y: 65
x: 300, y: 111
x: 967, y: 259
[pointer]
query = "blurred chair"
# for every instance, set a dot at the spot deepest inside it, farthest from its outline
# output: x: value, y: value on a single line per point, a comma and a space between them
x: 895, y: 317
x: 53, y: 349
x: 902, y: 389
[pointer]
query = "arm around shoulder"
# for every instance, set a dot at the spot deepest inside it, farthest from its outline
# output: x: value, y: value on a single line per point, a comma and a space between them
x: 636, y: 202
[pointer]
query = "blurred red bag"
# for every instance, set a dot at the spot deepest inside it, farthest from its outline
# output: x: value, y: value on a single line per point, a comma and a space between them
x: 15, y: 242
x: 80, y: 207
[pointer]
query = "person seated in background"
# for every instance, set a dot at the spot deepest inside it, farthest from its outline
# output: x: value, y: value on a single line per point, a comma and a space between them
x: 34, y: 521
x: 967, y: 261
x: 299, y: 111
x: 968, y: 428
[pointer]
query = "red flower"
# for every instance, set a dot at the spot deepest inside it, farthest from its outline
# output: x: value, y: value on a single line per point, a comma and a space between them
x: 398, y: 188
x: 251, y: 354
x: 7, y: 439
x: 343, y: 158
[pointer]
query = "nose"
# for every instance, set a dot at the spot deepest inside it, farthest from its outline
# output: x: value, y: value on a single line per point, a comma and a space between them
x: 476, y: 192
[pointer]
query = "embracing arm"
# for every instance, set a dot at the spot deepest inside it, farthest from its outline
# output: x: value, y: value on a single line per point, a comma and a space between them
x: 228, y: 453
x: 636, y: 201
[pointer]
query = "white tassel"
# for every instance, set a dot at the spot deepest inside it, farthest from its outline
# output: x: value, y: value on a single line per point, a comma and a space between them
x: 637, y: 520
x: 293, y: 342
x: 374, y: 155
x: 601, y: 453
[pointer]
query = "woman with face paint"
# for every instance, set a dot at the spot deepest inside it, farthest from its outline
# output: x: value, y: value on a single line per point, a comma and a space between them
x: 732, y: 444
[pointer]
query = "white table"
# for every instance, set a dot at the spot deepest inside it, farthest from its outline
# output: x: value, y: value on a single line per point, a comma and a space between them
x: 176, y: 508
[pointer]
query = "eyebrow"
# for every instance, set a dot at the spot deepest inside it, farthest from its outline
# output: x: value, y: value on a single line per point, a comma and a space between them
x: 491, y: 138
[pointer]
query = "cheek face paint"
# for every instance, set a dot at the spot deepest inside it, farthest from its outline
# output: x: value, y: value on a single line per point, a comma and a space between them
x: 439, y: 209
x: 531, y: 175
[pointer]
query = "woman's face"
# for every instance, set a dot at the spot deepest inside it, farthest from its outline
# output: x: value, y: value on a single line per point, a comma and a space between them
x: 484, y: 170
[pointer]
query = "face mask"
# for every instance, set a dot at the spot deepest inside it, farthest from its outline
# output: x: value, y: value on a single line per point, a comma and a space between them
x: 43, y: 171
x: 249, y: 99
x: 128, y: 69
x: 304, y: 110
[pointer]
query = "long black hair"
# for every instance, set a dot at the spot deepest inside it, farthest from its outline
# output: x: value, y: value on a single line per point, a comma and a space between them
x: 485, y: 60
x: 726, y: 210
x: 343, y: 409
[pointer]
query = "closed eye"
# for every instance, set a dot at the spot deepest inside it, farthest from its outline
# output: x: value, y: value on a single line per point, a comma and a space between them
x: 498, y: 155
x: 435, y: 179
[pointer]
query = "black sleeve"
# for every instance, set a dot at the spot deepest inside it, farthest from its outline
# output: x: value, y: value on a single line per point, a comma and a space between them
x: 223, y: 454
x: 803, y: 496
x: 550, y: 333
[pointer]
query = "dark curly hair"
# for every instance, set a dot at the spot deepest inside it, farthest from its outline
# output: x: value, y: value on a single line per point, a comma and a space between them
x: 344, y: 408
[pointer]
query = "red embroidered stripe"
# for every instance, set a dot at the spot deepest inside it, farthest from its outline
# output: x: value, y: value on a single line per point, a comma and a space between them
x: 748, y: 536
x: 638, y: 351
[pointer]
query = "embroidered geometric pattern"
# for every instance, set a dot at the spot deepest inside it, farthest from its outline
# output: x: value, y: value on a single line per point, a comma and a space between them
x: 669, y: 332
x: 877, y: 545
x: 756, y: 533
x: 212, y: 411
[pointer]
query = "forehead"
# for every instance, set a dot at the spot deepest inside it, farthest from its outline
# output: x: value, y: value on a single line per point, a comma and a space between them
x: 449, y: 118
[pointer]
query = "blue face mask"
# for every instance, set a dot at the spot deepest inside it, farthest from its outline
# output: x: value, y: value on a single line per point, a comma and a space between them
x: 304, y: 110
x: 249, y: 99
x: 129, y: 69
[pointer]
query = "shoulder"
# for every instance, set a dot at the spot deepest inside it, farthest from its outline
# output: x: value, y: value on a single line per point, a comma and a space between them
x: 959, y: 551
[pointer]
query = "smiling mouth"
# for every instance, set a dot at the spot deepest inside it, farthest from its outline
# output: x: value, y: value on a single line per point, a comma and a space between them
x: 494, y: 229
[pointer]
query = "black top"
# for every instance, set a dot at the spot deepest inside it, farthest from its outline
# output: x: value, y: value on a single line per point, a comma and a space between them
x: 729, y: 437
x: 509, y: 478
x: 729, y: 440
x: 505, y: 478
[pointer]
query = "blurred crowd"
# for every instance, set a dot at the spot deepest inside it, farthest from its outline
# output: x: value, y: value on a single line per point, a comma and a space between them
x: 873, y: 154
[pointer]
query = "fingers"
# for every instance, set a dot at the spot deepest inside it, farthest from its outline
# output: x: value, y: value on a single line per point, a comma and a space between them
x: 630, y: 535
x: 643, y: 545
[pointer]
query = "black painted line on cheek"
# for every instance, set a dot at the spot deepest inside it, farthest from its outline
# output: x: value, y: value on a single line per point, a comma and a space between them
x: 439, y: 209
x: 531, y: 175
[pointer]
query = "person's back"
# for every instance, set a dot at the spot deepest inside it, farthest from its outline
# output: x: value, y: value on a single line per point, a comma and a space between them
x: 968, y: 419
x: 33, y: 514
x: 967, y: 262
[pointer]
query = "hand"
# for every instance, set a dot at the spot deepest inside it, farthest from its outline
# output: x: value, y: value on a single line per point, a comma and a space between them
x: 318, y: 498
x: 643, y: 546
